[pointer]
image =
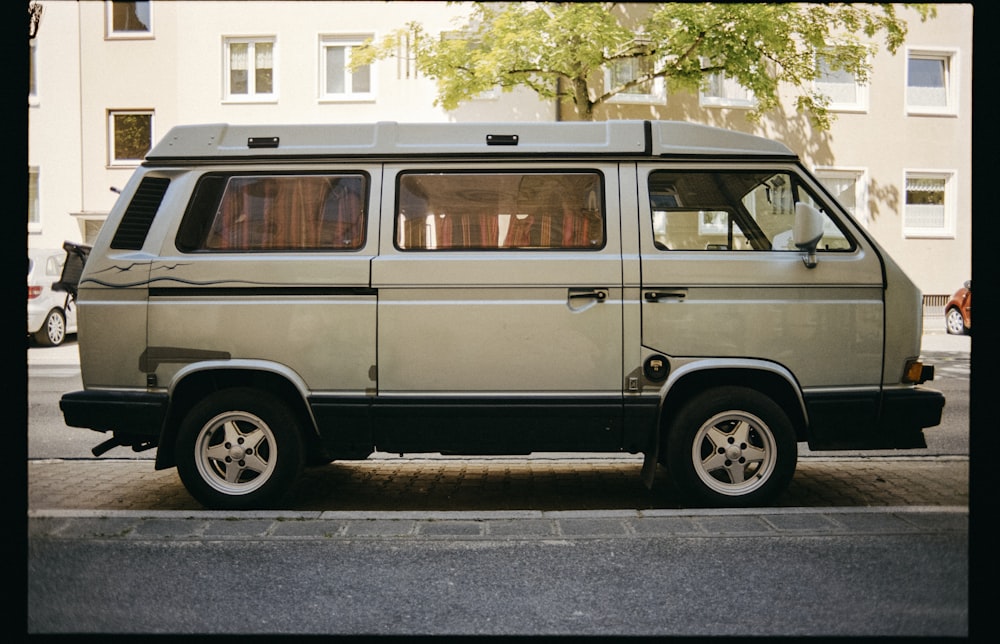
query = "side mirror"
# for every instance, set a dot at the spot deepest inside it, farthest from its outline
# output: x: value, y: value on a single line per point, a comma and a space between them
x: 807, y: 231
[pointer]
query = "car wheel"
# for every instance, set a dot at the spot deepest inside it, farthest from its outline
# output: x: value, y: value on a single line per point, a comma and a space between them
x: 53, y: 332
x: 239, y: 449
x: 731, y: 447
x: 954, y: 322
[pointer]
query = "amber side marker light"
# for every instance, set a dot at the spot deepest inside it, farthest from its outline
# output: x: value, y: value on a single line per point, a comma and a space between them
x: 917, y: 372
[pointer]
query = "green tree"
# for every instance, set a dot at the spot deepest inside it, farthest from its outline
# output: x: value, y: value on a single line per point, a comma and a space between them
x: 560, y: 50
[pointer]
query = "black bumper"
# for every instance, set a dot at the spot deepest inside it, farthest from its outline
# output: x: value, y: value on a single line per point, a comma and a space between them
x: 138, y: 414
x: 892, y: 419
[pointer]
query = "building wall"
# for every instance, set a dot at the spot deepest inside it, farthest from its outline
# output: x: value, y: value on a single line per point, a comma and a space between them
x: 179, y: 73
x: 54, y: 127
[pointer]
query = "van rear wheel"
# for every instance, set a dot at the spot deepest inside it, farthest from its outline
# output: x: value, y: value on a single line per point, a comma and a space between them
x: 731, y: 447
x: 239, y: 449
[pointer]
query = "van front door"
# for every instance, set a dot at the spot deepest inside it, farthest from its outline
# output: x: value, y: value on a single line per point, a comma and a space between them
x: 722, y: 279
x: 499, y: 309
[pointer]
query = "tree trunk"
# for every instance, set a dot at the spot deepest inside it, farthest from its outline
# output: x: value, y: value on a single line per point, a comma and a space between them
x: 581, y: 96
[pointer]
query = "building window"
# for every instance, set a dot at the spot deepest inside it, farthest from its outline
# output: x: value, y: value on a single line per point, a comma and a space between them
x: 32, y: 83
x: 130, y: 136
x: 34, y: 214
x: 931, y: 83
x: 930, y: 205
x: 846, y: 94
x: 720, y: 90
x: 620, y: 72
x: 337, y: 81
x: 129, y: 19
x: 250, y: 69
x: 849, y: 187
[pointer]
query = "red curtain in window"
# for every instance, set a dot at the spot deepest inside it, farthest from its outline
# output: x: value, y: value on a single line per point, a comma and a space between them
x: 291, y: 217
x: 480, y: 230
x: 341, y: 222
x: 519, y: 232
x: 289, y: 213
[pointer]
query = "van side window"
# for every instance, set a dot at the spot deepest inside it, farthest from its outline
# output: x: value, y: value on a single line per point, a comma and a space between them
x: 275, y: 212
x: 500, y: 211
x: 731, y: 210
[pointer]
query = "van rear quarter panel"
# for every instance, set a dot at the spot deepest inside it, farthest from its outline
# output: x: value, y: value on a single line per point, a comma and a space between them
x: 311, y: 312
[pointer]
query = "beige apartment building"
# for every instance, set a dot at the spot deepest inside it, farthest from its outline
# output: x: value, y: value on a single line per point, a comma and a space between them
x: 108, y: 79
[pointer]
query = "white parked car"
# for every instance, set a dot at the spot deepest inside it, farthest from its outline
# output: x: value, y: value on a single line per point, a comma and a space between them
x: 51, y: 313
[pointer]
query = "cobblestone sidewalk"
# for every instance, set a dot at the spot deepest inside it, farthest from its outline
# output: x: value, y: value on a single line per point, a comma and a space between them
x: 556, y: 484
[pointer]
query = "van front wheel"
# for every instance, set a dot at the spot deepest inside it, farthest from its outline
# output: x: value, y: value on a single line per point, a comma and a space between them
x: 239, y: 449
x: 731, y: 447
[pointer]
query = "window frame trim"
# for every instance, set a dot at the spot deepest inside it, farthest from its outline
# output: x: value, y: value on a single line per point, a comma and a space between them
x: 111, y: 34
x: 948, y: 230
x: 862, y: 212
x: 250, y: 97
x: 35, y: 204
x: 950, y: 55
x: 861, y: 106
x: 112, y: 160
x: 705, y: 100
x: 327, y: 40
x: 657, y: 97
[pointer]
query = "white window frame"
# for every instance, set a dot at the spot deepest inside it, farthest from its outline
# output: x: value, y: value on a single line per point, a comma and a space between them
x: 252, y: 95
x: 109, y: 26
x: 860, y: 102
x: 113, y: 161
x: 949, y: 57
x: 34, y: 197
x: 947, y: 229
x: 860, y: 177
x: 32, y: 72
x: 735, y: 94
x: 657, y: 97
x: 348, y: 42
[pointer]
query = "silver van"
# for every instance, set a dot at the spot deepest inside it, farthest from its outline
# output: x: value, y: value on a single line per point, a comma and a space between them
x: 264, y: 298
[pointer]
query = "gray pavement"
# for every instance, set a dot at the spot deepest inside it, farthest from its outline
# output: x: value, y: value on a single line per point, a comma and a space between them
x: 537, y: 497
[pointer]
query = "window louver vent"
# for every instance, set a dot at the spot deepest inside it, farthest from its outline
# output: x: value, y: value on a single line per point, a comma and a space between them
x: 139, y: 215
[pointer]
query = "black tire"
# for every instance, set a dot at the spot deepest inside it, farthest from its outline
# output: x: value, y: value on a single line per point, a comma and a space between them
x: 731, y: 447
x: 53, y: 332
x: 954, y: 323
x: 239, y: 449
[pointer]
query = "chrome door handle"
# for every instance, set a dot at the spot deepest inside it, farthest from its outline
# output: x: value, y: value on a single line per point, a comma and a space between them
x: 656, y: 296
x: 591, y: 294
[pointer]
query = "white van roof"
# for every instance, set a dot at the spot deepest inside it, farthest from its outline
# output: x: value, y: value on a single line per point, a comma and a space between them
x: 219, y: 141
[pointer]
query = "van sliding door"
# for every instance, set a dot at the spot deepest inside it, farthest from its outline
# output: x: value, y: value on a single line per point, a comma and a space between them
x: 499, y: 309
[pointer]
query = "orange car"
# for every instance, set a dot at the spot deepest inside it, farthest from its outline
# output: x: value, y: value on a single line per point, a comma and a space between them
x: 958, y: 311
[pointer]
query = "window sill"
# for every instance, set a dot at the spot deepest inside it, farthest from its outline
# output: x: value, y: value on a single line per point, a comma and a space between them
x: 927, y: 234
x: 848, y: 109
x: 130, y: 36
x: 361, y: 98
x: 735, y: 106
x: 268, y: 100
x: 924, y: 111
x: 643, y: 99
